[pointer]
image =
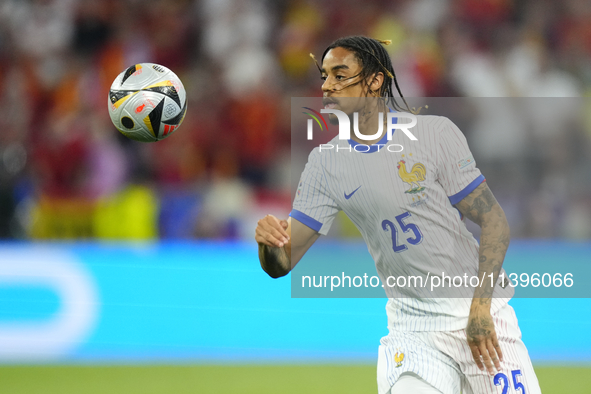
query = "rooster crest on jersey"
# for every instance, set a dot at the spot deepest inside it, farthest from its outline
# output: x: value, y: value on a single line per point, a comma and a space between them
x: 416, y: 175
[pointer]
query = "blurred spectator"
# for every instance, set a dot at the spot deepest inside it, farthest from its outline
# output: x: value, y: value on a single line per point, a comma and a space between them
x: 66, y: 172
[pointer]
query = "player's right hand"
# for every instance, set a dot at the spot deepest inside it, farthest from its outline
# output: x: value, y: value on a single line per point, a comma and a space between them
x: 271, y: 231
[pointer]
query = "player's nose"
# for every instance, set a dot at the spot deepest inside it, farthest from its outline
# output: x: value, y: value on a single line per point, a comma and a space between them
x: 327, y: 87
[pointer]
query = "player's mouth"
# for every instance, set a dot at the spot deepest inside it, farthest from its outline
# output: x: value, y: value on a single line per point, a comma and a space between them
x: 329, y: 103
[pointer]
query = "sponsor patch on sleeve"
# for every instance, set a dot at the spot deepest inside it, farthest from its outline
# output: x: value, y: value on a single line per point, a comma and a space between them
x: 465, y: 162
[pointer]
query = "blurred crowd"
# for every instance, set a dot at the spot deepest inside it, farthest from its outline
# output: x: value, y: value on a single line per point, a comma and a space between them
x: 65, y: 172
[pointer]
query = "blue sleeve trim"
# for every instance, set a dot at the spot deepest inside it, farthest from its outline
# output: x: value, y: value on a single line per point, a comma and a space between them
x: 456, y: 198
x: 305, y: 219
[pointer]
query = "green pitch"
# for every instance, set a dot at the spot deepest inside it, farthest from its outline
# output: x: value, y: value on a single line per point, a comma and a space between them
x: 279, y: 379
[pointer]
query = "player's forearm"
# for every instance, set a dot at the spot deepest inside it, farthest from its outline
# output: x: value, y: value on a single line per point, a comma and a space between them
x: 274, y: 261
x: 494, y: 241
x: 482, y: 208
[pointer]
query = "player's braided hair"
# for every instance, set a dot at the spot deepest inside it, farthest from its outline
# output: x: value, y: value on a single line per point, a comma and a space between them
x: 374, y: 59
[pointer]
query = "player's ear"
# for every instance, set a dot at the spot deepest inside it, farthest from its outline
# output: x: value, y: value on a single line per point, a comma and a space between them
x: 376, y: 82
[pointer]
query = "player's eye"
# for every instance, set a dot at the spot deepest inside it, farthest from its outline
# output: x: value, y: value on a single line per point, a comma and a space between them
x: 323, y: 77
x: 339, y: 77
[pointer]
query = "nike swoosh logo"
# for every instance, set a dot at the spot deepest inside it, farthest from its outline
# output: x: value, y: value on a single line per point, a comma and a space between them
x: 348, y: 196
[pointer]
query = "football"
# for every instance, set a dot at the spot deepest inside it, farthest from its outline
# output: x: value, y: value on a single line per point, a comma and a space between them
x: 147, y: 102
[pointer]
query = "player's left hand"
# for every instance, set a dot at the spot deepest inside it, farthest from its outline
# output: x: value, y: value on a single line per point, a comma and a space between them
x: 482, y: 339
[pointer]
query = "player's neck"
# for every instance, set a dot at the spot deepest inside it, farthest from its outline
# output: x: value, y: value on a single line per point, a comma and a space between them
x: 368, y: 124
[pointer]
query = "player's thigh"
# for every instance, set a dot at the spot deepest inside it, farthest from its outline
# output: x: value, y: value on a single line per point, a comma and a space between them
x: 411, y: 352
x: 517, y: 373
x: 410, y: 382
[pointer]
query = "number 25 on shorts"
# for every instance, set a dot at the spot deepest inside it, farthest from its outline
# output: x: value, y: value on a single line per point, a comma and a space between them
x: 501, y: 379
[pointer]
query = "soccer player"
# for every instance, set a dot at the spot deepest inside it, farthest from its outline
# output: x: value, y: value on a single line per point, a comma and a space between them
x: 406, y: 205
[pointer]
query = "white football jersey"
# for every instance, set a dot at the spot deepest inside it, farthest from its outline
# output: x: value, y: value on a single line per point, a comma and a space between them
x: 402, y: 203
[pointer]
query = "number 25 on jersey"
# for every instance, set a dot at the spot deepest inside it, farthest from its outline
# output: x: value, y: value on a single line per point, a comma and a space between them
x: 405, y: 227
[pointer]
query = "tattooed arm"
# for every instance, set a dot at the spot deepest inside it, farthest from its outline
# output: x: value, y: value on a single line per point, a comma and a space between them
x: 482, y: 208
x: 278, y: 252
